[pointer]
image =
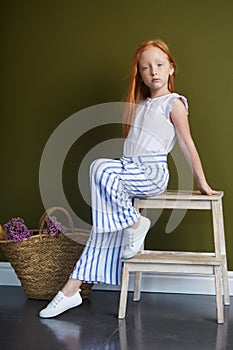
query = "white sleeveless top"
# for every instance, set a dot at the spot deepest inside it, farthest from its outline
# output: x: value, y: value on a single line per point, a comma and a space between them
x: 152, y: 132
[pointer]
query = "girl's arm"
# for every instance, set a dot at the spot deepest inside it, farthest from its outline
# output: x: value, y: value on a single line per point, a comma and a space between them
x: 179, y: 118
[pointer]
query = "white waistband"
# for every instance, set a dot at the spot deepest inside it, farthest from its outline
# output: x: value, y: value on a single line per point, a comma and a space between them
x: 146, y: 158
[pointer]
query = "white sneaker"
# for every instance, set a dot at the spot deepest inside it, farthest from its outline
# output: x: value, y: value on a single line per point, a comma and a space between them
x: 136, y: 238
x: 61, y: 303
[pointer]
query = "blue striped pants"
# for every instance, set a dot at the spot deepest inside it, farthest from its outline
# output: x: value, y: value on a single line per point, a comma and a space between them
x: 113, y: 185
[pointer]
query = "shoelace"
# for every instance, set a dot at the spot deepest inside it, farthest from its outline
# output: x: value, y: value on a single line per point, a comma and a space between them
x: 56, y: 301
x: 131, y: 239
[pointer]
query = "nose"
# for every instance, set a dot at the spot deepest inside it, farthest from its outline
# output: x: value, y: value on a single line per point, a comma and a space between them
x: 153, y: 71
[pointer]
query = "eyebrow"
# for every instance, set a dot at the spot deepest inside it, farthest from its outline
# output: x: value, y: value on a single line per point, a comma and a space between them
x: 145, y: 62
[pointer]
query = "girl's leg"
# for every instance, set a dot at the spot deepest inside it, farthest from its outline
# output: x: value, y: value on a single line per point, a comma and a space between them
x: 100, y: 261
x: 111, y: 202
x: 71, y: 287
x: 112, y: 186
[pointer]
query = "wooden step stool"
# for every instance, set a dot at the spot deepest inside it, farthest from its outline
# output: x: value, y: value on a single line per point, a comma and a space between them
x: 182, y: 262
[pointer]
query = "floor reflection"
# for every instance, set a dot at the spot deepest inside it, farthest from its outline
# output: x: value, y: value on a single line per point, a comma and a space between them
x: 136, y: 326
x: 132, y: 329
x: 66, y: 332
x: 222, y: 331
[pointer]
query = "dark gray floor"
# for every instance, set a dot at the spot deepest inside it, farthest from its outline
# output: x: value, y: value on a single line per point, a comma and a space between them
x: 158, y: 321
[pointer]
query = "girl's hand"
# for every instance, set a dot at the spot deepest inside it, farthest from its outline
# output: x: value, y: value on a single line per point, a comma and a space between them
x: 206, y: 189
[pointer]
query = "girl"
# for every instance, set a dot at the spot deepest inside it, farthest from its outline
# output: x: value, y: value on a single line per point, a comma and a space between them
x: 155, y: 116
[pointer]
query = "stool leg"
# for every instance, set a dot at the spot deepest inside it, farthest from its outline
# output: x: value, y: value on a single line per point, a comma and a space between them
x: 137, y: 286
x: 226, y: 286
x: 124, y: 292
x: 218, y: 291
x: 220, y: 245
x: 223, y: 251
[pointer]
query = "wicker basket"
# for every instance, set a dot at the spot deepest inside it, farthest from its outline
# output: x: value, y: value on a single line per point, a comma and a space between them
x: 43, y: 262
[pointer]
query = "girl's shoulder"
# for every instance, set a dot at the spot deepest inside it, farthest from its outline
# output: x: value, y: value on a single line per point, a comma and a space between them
x: 174, y: 97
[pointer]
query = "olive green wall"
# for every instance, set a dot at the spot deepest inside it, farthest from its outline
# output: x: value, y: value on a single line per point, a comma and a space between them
x: 59, y: 57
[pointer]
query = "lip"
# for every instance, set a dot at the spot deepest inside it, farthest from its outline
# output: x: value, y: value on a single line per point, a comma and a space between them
x: 155, y: 80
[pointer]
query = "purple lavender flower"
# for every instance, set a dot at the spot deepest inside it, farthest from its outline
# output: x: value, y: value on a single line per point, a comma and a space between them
x: 16, y: 230
x: 53, y: 226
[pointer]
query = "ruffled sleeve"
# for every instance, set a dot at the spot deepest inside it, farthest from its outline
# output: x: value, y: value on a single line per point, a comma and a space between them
x: 172, y: 99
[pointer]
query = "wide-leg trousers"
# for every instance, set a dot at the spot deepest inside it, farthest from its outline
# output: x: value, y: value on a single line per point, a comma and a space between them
x: 114, y: 183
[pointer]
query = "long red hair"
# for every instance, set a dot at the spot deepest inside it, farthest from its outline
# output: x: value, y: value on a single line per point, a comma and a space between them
x: 137, y: 89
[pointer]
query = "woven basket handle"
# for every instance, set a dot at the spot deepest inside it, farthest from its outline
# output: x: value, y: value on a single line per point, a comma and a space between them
x: 49, y: 212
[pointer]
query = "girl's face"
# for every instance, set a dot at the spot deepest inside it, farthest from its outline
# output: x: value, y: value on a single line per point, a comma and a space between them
x: 155, y: 69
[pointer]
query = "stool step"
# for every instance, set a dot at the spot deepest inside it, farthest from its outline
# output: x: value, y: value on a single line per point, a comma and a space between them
x: 156, y: 257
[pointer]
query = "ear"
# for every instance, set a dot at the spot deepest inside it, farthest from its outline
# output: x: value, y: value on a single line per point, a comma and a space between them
x: 171, y: 70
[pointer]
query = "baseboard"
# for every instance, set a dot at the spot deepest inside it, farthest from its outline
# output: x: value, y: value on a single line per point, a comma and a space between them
x: 151, y: 282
